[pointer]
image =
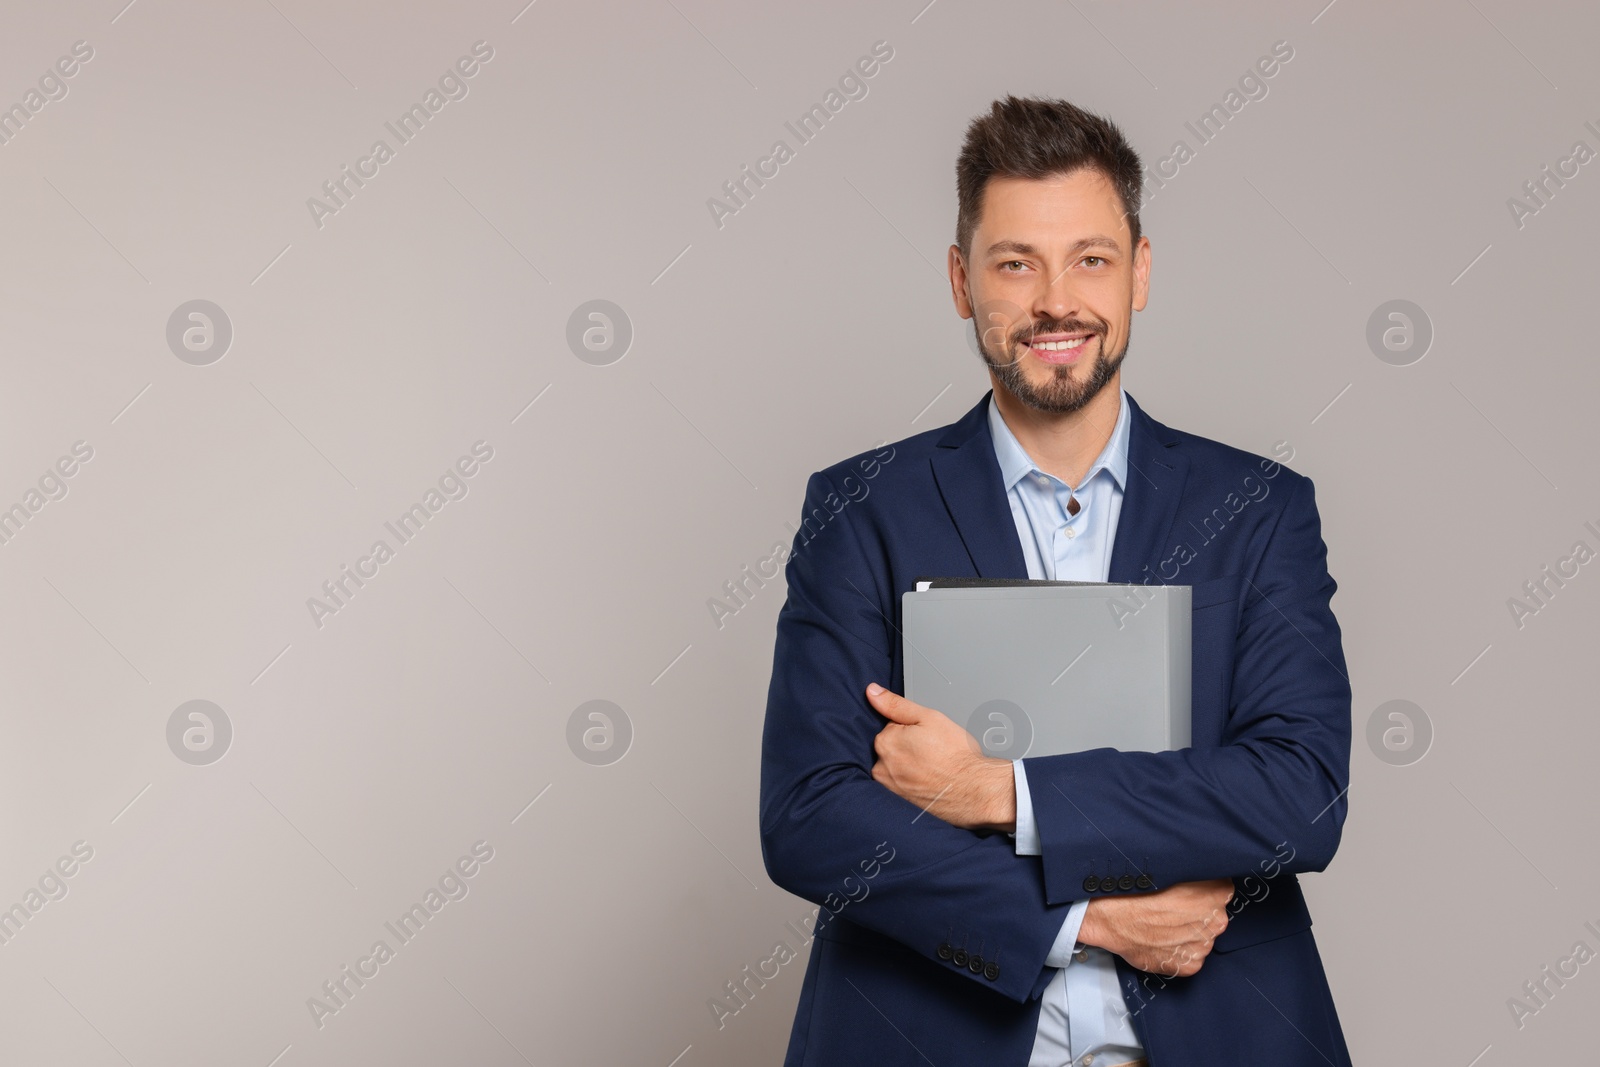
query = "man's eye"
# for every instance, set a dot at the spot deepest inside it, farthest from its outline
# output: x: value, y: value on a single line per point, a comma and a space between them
x: 1009, y: 263
x: 1097, y: 259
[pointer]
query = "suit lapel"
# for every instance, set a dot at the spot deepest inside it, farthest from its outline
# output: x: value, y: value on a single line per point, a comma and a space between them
x: 1156, y: 473
x: 968, y: 476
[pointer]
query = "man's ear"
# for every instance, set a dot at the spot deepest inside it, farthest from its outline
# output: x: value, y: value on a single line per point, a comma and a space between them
x: 1141, y: 274
x: 960, y: 284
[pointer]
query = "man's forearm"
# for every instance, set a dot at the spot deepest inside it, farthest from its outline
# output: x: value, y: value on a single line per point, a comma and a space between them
x: 994, y: 797
x: 945, y: 886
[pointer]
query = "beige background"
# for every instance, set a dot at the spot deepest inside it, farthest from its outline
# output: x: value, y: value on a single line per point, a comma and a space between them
x: 370, y: 753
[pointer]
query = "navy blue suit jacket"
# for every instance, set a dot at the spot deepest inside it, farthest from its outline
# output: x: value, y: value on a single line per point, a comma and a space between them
x: 1259, y: 797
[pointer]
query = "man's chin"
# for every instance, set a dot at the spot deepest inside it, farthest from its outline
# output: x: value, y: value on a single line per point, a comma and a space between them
x: 1061, y: 390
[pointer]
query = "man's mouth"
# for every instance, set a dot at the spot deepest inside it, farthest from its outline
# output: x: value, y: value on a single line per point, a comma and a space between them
x: 1059, y: 347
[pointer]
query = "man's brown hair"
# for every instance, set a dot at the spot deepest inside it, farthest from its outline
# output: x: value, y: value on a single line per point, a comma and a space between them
x: 1034, y: 137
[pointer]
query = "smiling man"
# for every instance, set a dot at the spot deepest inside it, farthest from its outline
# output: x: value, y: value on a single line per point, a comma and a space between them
x: 1093, y: 908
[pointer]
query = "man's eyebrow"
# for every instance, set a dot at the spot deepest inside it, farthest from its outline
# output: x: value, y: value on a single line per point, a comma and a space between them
x: 1022, y: 248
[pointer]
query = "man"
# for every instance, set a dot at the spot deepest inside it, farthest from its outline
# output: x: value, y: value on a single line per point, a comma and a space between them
x: 1099, y: 907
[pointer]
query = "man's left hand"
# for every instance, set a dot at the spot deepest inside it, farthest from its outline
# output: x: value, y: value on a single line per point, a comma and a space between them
x: 925, y: 757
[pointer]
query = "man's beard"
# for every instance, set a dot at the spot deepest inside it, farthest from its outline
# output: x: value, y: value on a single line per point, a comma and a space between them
x: 1070, y: 387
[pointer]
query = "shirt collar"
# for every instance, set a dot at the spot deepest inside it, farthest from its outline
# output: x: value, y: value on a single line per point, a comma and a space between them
x: 1015, y: 463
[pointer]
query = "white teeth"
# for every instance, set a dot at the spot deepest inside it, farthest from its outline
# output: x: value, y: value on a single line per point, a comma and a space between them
x: 1060, y: 346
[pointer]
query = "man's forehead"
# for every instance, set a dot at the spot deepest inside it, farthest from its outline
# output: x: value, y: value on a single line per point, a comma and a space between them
x: 1081, y: 207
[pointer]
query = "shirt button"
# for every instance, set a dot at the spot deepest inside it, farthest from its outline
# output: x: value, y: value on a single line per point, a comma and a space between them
x: 1088, y: 1059
x: 1070, y: 532
x: 1082, y: 956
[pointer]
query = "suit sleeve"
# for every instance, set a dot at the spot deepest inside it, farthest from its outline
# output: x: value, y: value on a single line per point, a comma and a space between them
x: 823, y: 818
x: 1279, y: 775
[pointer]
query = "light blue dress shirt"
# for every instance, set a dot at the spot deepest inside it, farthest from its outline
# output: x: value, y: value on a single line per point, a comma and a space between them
x: 1083, y: 1020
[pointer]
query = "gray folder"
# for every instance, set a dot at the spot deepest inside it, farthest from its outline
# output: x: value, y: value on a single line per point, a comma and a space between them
x: 1038, y: 668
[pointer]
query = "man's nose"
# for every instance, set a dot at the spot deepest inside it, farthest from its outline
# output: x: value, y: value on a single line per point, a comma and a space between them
x: 1058, y: 297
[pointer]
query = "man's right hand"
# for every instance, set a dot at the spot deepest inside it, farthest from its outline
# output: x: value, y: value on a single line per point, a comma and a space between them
x: 1168, y: 932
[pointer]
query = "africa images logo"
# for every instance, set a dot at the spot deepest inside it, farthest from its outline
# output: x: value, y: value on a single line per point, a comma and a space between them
x: 340, y: 190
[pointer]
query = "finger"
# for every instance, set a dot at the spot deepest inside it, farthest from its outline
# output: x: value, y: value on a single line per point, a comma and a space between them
x: 893, y: 706
x: 1169, y: 967
x: 1216, y: 921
